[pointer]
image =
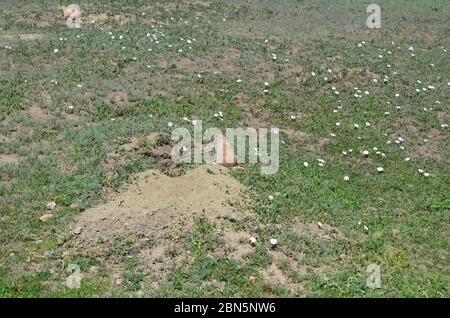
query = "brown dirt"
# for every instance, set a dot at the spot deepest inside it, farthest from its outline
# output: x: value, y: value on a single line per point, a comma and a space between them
x: 118, y: 98
x: 430, y: 149
x: 306, y: 141
x: 159, y: 211
x: 40, y: 21
x: 46, y: 97
x: 23, y: 37
x: 275, y: 277
x: 202, y: 3
x: 36, y: 112
x: 254, y: 117
x: 157, y: 204
x: 163, y: 157
x: 228, y: 61
x: 134, y: 146
x: 95, y: 18
x: 103, y: 19
x: 237, y: 243
x: 9, y: 159
x: 414, y: 132
x: 293, y: 71
x: 442, y: 116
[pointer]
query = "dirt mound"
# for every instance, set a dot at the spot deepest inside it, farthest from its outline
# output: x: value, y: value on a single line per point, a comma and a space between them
x: 152, y: 219
x: 158, y: 207
x: 35, y: 112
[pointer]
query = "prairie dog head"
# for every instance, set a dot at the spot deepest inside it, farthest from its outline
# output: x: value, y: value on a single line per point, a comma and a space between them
x: 71, y: 10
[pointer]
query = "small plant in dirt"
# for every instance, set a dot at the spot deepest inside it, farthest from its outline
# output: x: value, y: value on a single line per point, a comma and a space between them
x: 163, y: 139
x: 122, y: 246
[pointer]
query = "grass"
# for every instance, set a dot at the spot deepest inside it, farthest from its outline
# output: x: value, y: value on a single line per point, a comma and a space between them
x: 61, y: 153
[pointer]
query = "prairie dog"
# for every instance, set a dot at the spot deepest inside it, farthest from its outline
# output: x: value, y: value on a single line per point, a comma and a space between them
x: 72, y: 13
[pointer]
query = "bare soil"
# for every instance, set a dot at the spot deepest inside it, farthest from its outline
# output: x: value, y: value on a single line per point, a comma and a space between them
x: 157, y: 213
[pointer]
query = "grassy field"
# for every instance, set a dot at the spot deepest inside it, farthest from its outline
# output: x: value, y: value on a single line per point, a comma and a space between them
x: 71, y: 101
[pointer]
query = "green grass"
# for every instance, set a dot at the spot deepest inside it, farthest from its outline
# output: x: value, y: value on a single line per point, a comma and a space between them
x: 63, y: 156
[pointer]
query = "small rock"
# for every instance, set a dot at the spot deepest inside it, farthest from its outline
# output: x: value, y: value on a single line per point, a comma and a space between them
x: 273, y: 243
x: 51, y: 205
x: 77, y: 230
